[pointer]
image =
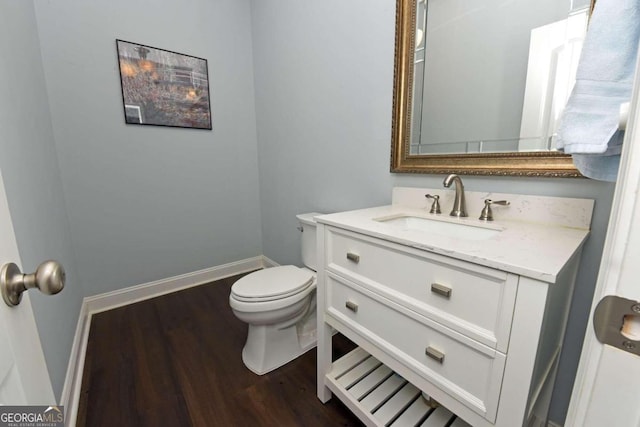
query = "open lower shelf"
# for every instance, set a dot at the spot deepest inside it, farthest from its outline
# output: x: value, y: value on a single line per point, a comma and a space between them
x: 381, y: 397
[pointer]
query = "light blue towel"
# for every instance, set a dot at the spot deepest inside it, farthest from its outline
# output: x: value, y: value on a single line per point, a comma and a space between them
x: 589, y: 124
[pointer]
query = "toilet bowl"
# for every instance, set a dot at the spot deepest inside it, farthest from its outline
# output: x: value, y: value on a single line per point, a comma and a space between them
x: 279, y: 305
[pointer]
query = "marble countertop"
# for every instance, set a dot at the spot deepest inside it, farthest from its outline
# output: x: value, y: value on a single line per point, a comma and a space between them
x: 535, y: 250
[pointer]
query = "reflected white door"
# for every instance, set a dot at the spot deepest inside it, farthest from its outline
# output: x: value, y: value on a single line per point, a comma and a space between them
x: 607, y: 388
x: 24, y: 378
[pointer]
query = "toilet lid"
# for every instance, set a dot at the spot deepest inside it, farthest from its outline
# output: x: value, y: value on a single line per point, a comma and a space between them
x: 272, y: 283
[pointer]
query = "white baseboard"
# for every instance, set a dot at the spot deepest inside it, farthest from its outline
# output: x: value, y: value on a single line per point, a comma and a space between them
x: 268, y: 263
x: 110, y: 300
x: 73, y: 381
x: 133, y: 294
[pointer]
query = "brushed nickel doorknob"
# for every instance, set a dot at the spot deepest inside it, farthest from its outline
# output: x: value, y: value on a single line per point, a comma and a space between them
x: 49, y: 278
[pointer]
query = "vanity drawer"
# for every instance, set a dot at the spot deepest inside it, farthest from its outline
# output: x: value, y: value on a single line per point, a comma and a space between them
x: 471, y: 299
x: 468, y: 371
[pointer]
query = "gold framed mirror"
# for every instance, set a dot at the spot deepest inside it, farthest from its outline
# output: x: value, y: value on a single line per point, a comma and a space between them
x: 547, y: 163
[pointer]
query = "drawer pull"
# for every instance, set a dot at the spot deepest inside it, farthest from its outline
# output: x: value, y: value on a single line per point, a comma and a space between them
x: 351, y: 306
x: 353, y: 257
x: 442, y: 290
x: 436, y: 355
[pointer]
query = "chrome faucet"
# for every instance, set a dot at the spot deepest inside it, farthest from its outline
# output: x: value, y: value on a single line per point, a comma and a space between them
x: 459, y: 204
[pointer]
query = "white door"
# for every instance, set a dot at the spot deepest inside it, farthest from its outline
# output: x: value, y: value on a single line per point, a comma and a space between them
x: 24, y: 379
x: 607, y: 388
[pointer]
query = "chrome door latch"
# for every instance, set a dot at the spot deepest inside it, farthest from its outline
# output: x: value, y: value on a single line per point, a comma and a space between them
x: 613, y: 321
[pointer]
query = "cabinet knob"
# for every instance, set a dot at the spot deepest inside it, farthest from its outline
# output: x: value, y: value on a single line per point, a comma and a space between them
x: 436, y: 355
x: 351, y: 306
x: 353, y: 257
x: 441, y: 290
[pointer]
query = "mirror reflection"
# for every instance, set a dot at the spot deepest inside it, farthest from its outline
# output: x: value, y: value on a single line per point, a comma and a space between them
x: 492, y: 76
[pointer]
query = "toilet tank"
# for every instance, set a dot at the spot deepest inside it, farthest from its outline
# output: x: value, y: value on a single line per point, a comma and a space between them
x: 308, y: 239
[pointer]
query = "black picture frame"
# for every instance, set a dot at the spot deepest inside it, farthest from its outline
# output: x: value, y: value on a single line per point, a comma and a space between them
x: 163, y: 88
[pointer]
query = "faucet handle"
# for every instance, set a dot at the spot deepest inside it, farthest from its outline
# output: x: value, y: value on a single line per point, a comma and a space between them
x: 487, y: 214
x: 435, y: 207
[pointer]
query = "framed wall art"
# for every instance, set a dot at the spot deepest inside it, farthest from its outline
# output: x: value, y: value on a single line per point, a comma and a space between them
x: 163, y: 88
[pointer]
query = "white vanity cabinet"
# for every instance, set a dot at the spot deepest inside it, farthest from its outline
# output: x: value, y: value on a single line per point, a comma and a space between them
x: 482, y: 341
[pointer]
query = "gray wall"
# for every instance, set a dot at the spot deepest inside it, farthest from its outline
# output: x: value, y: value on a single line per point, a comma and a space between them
x: 31, y: 175
x: 146, y: 202
x: 324, y: 77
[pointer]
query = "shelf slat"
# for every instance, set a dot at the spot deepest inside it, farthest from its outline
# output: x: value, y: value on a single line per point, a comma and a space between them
x: 397, y: 404
x: 358, y: 372
x: 438, y: 418
x: 383, y: 393
x: 348, y: 361
x: 370, y: 382
x: 414, y: 414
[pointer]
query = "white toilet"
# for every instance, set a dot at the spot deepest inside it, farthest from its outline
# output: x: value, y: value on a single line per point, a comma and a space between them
x: 279, y: 304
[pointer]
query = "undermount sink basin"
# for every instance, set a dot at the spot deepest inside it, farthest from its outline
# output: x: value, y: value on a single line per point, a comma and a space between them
x: 441, y: 227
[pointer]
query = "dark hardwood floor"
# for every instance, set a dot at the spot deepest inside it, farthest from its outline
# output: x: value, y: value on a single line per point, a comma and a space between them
x: 175, y: 360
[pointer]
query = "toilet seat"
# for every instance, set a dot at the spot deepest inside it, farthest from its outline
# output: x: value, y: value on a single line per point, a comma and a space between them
x: 272, y: 284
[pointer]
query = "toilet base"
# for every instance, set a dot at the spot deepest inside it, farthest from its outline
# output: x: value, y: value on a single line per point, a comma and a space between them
x: 268, y: 347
